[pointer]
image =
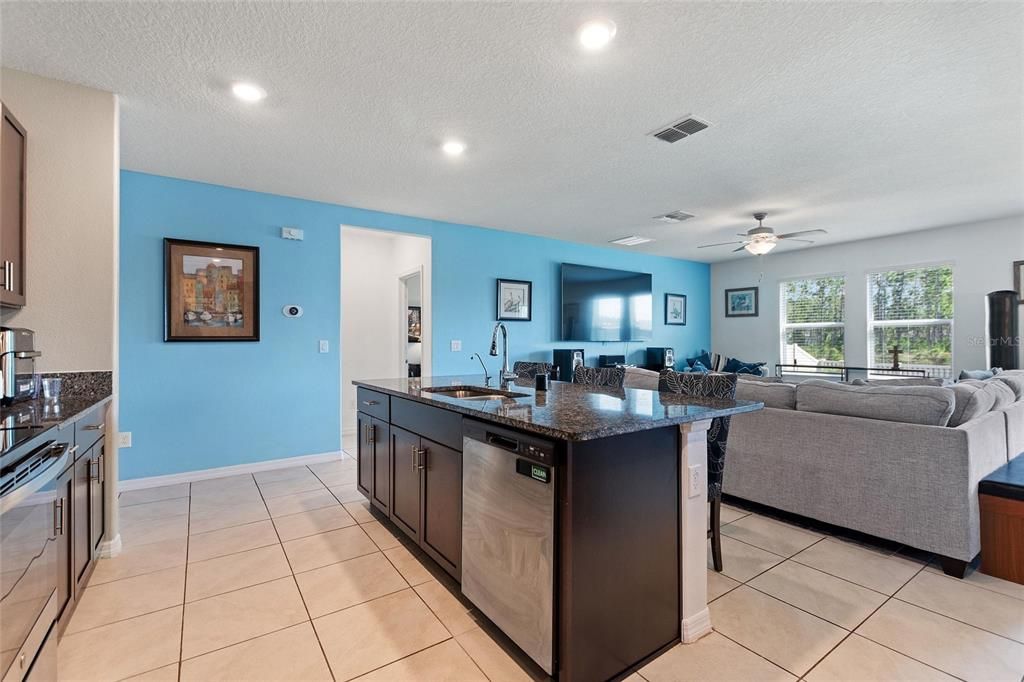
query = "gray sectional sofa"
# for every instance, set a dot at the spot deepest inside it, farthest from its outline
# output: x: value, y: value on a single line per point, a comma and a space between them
x: 898, y: 462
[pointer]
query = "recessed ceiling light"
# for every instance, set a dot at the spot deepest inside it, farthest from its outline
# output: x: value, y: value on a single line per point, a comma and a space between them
x: 453, y: 148
x: 631, y: 241
x: 248, y: 92
x: 596, y: 34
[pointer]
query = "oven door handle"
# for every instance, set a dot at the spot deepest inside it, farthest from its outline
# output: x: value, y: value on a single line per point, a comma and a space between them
x: 27, y: 354
x: 41, y: 478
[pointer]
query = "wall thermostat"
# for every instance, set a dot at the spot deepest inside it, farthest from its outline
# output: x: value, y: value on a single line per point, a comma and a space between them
x: 292, y: 311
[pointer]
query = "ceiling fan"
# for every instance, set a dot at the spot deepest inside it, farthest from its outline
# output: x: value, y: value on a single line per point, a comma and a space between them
x: 760, y: 240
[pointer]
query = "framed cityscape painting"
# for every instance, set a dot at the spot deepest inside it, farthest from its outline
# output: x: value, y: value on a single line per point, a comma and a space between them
x: 1018, y: 279
x: 741, y: 302
x: 212, y: 291
x: 675, y: 309
x: 515, y: 300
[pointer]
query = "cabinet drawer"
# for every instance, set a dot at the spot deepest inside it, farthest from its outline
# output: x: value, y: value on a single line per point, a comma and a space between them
x: 90, y: 428
x: 440, y: 426
x: 372, y: 403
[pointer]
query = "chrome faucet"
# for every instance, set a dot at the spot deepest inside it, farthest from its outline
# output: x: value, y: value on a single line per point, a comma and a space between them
x: 487, y: 376
x: 505, y: 374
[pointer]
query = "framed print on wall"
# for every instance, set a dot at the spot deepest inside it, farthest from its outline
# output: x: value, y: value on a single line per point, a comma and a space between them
x: 741, y: 302
x: 212, y: 291
x: 515, y: 300
x: 675, y: 309
x: 1018, y: 279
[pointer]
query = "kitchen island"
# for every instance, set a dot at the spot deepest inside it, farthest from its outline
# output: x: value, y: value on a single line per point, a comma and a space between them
x: 574, y: 518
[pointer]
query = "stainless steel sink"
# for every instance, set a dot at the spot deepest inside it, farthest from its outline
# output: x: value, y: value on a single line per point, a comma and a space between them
x: 473, y: 392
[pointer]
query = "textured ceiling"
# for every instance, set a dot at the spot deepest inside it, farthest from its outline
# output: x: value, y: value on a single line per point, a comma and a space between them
x: 863, y: 119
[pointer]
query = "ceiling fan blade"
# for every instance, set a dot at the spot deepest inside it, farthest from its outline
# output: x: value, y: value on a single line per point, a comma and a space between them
x: 739, y: 249
x: 805, y: 241
x: 704, y: 246
x: 790, y: 235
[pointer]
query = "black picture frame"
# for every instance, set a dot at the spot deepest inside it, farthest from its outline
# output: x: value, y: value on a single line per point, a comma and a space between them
x: 731, y: 311
x: 176, y: 326
x: 1018, y: 279
x: 503, y: 304
x: 669, y: 319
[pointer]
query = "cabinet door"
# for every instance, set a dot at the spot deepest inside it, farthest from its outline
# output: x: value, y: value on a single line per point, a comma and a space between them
x: 12, y: 211
x: 441, y: 531
x: 381, y: 441
x: 364, y: 455
x: 62, y: 528
x: 96, y: 502
x: 80, y: 517
x: 405, y: 476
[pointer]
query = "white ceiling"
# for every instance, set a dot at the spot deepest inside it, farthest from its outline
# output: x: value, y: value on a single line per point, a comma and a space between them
x: 863, y: 119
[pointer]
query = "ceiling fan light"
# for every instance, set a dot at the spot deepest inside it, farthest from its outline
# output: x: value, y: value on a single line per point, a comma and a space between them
x: 760, y: 247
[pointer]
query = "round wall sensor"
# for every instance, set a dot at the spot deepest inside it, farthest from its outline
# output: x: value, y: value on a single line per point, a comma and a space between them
x: 292, y: 311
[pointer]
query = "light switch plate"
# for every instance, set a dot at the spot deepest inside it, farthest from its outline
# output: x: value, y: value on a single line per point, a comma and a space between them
x: 324, y: 346
x: 456, y: 345
x: 695, y: 480
x: 124, y: 439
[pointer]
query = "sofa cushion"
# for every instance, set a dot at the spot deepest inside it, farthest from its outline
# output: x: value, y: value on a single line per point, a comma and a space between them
x: 928, y: 405
x: 637, y: 377
x: 771, y: 393
x: 761, y: 378
x: 1004, y: 395
x: 973, y: 399
x: 906, y: 381
x: 704, y: 358
x: 1014, y: 380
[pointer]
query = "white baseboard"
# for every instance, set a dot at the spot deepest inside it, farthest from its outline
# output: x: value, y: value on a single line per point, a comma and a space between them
x: 110, y: 548
x: 696, y: 626
x: 233, y: 470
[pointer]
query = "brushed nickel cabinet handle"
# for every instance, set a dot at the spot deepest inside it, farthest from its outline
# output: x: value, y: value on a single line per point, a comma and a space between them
x: 58, y: 517
x: 423, y: 457
x: 103, y: 473
x: 373, y: 433
x: 95, y: 427
x: 371, y: 403
x: 94, y: 475
x: 414, y: 452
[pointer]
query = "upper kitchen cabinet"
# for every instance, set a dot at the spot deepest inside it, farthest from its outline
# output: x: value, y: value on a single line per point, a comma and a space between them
x: 12, y: 211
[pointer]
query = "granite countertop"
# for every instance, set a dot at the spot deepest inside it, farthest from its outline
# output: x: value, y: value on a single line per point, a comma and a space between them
x: 567, y: 411
x: 48, y: 413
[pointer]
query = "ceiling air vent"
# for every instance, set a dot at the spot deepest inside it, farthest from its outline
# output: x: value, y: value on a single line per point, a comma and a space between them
x: 674, y: 217
x: 677, y: 131
x: 632, y: 240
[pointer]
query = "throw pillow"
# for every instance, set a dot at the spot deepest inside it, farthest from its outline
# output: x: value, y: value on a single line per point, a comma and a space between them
x: 972, y: 401
x: 980, y: 374
x: 734, y: 366
x: 1014, y: 381
x: 699, y: 367
x: 704, y: 358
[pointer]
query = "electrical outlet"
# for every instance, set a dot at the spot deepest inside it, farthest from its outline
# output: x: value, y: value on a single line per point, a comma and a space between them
x: 124, y: 439
x: 456, y: 345
x: 324, y: 346
x: 696, y: 479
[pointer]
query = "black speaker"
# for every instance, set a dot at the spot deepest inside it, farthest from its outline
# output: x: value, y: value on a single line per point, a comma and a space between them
x: 1003, y: 317
x: 661, y: 358
x: 610, y: 360
x: 567, y: 359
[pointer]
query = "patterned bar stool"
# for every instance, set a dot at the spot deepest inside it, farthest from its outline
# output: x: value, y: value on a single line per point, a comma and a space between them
x: 528, y: 370
x: 722, y: 386
x: 612, y: 377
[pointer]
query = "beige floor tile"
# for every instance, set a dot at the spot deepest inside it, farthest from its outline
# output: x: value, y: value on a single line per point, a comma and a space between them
x: 861, y: 659
x: 344, y: 477
x: 290, y: 654
x: 730, y: 514
x: 741, y: 561
x: 315, y: 551
x: 771, y: 535
x: 860, y: 565
x: 156, y: 530
x: 339, y: 586
x: 301, y: 502
x: 290, y: 487
x: 155, y: 510
x: 223, y: 483
x: 234, y: 617
x: 285, y: 474
x: 444, y: 662
x: 341, y: 464
x: 719, y: 584
x: 127, y: 598
x: 231, y: 572
x: 381, y: 535
x: 943, y: 643
x: 231, y: 540
x: 968, y: 603
x: 144, y: 495
x: 497, y: 664
x: 167, y: 673
x: 347, y: 492
x: 783, y: 634
x: 711, y: 658
x: 215, y: 519
x: 139, y: 559
x: 360, y: 511
x: 837, y: 601
x: 414, y: 571
x: 227, y: 502
x: 144, y: 643
x: 371, y: 635
x: 313, y: 522
x: 979, y: 579
x: 452, y: 613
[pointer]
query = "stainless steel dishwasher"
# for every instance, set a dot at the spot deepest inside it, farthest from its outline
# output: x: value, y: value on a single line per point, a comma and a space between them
x: 508, y: 533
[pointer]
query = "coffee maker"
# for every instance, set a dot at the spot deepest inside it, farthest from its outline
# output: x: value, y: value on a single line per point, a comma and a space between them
x: 18, y: 354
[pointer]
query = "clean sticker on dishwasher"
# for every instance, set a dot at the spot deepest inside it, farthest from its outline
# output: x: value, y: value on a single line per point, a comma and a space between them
x: 535, y: 471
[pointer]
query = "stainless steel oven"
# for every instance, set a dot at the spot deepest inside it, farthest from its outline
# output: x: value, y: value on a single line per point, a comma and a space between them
x: 31, y: 526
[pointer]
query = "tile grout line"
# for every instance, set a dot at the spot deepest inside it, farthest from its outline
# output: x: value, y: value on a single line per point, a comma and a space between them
x: 744, y: 646
x: 957, y: 620
x: 184, y: 583
x: 938, y: 573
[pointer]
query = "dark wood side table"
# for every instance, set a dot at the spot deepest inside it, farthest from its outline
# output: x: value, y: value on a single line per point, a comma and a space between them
x: 1001, y: 495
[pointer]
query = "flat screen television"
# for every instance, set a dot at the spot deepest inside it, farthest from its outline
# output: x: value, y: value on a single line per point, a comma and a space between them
x: 600, y: 304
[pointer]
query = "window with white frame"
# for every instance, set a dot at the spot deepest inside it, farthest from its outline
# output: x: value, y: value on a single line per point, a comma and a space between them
x: 812, y: 320
x: 912, y: 310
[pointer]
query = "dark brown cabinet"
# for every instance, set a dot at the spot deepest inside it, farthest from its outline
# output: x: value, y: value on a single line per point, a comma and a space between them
x: 13, y: 147
x: 81, y: 530
x: 62, y: 531
x: 373, y: 460
x: 405, y: 481
x: 97, y: 502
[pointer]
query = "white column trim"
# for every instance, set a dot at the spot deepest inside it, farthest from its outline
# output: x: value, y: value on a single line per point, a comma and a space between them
x: 693, y: 530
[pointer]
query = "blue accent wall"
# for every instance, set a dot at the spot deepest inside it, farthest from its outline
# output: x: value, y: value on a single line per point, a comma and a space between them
x: 201, y: 405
